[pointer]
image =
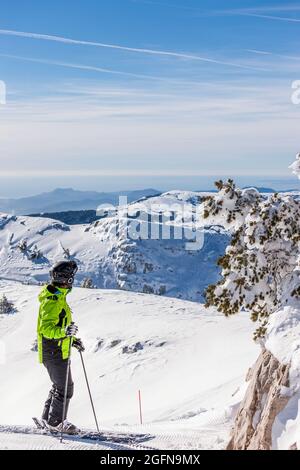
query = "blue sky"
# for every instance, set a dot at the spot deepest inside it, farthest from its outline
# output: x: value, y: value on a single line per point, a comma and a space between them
x: 136, y: 90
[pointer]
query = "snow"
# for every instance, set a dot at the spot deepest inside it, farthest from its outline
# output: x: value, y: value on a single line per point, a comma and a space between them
x: 189, y: 363
x: 283, y: 338
x: 283, y: 341
x: 16, y: 441
x: 162, y: 266
x: 260, y: 275
x: 295, y: 166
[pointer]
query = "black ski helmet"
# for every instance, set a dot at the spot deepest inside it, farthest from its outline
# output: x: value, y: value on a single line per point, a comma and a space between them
x: 64, y: 272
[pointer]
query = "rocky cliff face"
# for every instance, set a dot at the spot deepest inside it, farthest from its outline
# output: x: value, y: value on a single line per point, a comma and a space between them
x: 269, y: 415
x: 262, y: 403
x: 160, y: 266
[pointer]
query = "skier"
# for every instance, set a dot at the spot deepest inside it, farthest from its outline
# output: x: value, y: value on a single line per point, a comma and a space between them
x: 55, y: 332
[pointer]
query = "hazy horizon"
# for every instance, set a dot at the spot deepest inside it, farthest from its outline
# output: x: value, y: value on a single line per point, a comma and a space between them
x: 23, y: 187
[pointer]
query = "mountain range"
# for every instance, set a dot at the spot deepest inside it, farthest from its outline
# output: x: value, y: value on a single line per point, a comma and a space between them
x: 67, y: 199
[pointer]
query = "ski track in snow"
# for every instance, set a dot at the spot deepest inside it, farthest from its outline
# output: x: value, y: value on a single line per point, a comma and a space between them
x: 25, y: 437
x: 13, y: 441
x: 19, y: 437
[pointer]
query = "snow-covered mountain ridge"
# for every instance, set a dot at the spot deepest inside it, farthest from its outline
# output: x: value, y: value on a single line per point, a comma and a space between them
x: 163, y: 266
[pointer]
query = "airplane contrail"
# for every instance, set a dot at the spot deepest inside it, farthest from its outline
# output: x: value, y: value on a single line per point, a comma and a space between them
x: 64, y: 40
x: 85, y: 67
x: 93, y: 68
x: 256, y: 51
x: 263, y: 9
x: 271, y: 17
x: 275, y: 54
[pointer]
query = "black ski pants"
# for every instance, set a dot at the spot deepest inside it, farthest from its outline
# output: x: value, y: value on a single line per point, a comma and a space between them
x: 57, y: 370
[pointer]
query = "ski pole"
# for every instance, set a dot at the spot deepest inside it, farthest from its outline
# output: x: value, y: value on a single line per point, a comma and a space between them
x: 89, y: 390
x: 140, y: 407
x: 66, y: 390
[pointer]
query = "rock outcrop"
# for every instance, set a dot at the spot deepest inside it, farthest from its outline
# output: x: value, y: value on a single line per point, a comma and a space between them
x: 262, y: 403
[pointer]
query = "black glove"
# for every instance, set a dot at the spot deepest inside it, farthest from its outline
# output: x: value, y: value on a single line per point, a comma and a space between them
x: 71, y: 330
x: 78, y: 344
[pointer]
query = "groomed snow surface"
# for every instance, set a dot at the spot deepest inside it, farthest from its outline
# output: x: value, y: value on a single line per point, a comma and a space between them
x: 189, y: 363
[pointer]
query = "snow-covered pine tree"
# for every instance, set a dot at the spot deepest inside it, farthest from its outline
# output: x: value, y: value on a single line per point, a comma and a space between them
x: 295, y: 166
x: 6, y: 307
x: 87, y: 283
x: 259, y: 268
x: 22, y: 245
x: 66, y: 251
x: 35, y: 253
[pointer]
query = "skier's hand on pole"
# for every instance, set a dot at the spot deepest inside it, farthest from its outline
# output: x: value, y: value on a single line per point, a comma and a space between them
x: 78, y: 344
x: 71, y: 330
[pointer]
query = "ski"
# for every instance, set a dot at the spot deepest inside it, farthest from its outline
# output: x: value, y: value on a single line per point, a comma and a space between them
x: 117, y: 438
x: 104, y: 436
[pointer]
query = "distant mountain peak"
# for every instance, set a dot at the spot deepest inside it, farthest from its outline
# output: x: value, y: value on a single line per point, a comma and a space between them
x: 68, y: 199
x: 63, y: 190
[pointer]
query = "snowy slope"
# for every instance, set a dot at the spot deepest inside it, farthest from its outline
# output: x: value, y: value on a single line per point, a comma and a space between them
x: 52, y: 238
x: 188, y: 362
x: 162, y: 266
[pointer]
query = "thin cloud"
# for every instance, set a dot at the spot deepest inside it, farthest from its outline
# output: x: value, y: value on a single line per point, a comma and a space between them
x: 267, y: 8
x: 270, y: 17
x: 262, y: 8
x: 256, y: 51
x: 110, y: 172
x: 282, y: 7
x: 101, y: 70
x: 60, y: 39
x: 163, y: 131
x: 275, y: 54
x: 85, y: 67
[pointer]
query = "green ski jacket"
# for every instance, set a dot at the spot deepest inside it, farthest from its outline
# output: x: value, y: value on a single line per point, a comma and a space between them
x: 54, y: 316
